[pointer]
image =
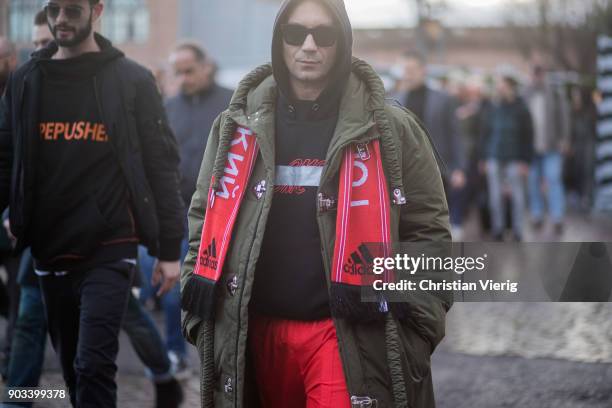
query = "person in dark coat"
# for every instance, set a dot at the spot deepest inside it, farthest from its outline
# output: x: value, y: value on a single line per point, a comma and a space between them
x: 508, y: 149
x: 88, y: 168
x: 437, y: 110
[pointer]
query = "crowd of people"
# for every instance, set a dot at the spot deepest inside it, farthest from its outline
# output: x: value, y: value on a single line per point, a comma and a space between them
x: 507, y: 150
x: 513, y: 152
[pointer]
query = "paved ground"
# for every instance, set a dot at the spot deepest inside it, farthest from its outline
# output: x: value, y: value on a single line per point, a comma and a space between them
x: 578, y: 228
x: 461, y: 381
x: 572, y: 331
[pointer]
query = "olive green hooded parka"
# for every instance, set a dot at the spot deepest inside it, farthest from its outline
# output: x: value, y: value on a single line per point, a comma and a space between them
x: 386, y: 363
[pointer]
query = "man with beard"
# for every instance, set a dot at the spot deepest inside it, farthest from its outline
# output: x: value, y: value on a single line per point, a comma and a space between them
x: 89, y: 167
x: 307, y: 165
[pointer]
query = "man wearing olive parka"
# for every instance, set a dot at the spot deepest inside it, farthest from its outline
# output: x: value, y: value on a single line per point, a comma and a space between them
x: 306, y: 165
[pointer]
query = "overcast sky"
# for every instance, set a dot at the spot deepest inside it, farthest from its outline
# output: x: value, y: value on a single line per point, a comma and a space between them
x: 394, y: 13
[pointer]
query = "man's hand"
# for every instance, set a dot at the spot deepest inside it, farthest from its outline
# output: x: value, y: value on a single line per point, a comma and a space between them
x: 166, y: 273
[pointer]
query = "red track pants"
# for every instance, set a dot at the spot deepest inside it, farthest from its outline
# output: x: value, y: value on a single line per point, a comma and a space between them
x: 297, y: 364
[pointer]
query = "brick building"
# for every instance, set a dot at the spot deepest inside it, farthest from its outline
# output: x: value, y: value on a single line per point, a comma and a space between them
x: 145, y: 29
x: 477, y: 47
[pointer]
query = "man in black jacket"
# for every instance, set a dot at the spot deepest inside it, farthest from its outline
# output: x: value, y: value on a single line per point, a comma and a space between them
x: 88, y: 167
x: 436, y: 109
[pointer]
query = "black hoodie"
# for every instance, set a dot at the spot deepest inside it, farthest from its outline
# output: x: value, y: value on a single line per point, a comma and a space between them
x: 290, y: 279
x: 81, y: 215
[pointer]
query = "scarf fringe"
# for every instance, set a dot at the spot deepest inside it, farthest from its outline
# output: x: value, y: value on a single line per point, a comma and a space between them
x: 345, y: 302
x: 198, y: 297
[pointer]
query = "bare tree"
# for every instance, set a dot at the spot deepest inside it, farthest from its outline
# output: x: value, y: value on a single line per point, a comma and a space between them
x: 563, y: 30
x: 428, y: 9
x: 429, y: 32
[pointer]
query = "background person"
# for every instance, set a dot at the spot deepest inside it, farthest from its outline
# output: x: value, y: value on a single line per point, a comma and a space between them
x: 436, y: 109
x: 508, y: 147
x: 84, y: 233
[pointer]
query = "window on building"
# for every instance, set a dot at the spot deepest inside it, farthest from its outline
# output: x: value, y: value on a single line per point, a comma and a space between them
x: 126, y: 21
x: 21, y: 19
x: 123, y: 20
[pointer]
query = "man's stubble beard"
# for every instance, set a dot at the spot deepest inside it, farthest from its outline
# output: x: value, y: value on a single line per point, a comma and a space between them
x: 79, y: 36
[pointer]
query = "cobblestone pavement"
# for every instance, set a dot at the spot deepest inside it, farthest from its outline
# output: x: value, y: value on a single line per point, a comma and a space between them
x: 463, y: 381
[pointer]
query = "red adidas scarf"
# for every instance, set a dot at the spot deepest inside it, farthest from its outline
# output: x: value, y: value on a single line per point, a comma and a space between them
x: 223, y: 205
x: 362, y: 217
x: 362, y: 230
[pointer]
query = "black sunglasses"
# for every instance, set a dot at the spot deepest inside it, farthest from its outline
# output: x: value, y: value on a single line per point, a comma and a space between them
x: 295, y: 34
x: 72, y: 12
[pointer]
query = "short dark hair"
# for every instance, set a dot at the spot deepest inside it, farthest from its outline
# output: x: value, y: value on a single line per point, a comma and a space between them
x: 40, y: 18
x: 194, y: 47
x: 416, y: 55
